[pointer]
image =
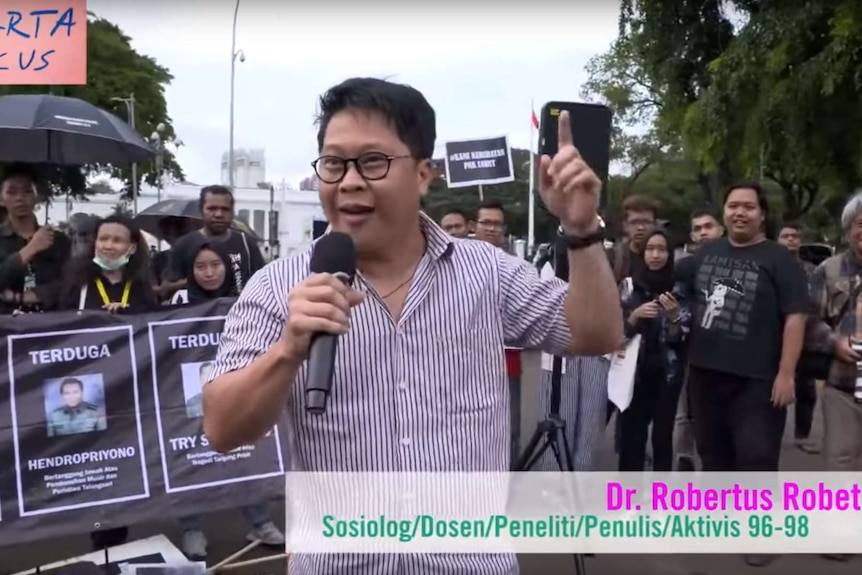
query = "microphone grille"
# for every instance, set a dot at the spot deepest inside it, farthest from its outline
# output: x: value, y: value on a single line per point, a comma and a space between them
x: 334, y: 253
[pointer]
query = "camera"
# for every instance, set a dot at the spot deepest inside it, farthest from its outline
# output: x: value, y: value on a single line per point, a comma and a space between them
x: 857, y: 390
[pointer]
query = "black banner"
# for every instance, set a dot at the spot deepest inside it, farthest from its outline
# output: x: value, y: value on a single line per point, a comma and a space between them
x: 479, y: 162
x: 101, y: 424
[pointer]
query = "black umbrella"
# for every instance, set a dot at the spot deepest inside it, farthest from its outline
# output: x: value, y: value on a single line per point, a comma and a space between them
x: 40, y: 128
x: 187, y: 211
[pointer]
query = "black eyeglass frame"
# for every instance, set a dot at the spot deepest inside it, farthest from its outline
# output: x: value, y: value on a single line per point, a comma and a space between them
x: 356, y: 164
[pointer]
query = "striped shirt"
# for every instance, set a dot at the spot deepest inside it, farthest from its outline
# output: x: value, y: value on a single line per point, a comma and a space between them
x: 428, y: 393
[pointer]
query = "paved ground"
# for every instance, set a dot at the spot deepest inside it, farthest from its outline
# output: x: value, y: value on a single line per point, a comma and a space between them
x: 226, y: 537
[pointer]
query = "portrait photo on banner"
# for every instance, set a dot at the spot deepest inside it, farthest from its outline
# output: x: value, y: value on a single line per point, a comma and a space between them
x: 77, y: 430
x: 194, y: 374
x: 183, y: 352
x: 74, y: 404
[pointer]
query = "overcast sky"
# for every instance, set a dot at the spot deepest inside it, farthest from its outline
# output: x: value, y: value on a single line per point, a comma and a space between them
x: 479, y: 64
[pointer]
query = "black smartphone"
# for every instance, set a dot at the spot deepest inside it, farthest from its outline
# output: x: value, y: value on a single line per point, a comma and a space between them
x: 591, y: 134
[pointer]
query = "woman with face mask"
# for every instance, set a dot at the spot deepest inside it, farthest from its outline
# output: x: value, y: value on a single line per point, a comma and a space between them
x: 114, y: 276
x: 207, y: 278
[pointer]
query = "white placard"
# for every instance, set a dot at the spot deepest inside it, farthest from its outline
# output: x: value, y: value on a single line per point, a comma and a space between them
x: 621, y: 376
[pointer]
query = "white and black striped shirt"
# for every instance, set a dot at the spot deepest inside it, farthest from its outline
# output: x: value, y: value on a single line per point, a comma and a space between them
x: 429, y: 393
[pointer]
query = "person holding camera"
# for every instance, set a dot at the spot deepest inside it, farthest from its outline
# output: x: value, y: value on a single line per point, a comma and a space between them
x: 835, y: 289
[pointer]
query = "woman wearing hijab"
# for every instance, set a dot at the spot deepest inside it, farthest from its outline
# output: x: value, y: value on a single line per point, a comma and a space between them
x: 207, y: 275
x: 207, y: 278
x: 653, y: 311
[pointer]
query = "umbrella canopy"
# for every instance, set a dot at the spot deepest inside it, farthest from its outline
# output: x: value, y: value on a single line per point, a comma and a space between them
x: 188, y: 211
x: 40, y: 128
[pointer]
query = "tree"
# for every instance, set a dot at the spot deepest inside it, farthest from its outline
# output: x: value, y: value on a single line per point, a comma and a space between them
x: 783, y: 100
x: 121, y: 209
x: 617, y: 80
x: 114, y: 70
x: 676, y: 41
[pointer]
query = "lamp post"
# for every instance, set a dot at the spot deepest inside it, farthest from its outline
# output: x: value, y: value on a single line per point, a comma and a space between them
x: 234, y: 56
x: 159, y: 141
x: 130, y: 114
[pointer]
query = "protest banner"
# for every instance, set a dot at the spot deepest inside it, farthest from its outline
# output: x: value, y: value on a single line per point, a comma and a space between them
x: 44, y: 42
x: 101, y: 416
x: 479, y: 162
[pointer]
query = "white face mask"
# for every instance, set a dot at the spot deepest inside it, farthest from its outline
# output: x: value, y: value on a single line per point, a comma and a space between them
x: 111, y: 265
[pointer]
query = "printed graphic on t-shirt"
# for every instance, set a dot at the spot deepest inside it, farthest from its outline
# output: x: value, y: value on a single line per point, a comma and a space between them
x: 30, y: 279
x: 729, y: 288
x: 236, y: 270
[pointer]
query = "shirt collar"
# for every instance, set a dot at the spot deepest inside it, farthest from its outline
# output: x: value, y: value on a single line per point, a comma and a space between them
x: 439, y: 243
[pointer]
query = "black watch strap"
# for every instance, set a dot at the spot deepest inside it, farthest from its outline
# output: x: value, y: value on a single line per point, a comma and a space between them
x: 573, y: 242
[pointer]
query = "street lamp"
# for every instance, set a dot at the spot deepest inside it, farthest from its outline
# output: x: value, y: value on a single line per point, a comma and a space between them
x: 234, y: 56
x: 130, y: 114
x: 159, y: 141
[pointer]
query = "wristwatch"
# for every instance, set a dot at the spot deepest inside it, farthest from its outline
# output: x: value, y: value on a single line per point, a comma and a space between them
x: 574, y: 242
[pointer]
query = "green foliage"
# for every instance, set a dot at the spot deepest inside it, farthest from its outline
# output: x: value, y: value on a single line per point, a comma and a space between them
x: 121, y: 209
x: 114, y: 70
x: 737, y: 90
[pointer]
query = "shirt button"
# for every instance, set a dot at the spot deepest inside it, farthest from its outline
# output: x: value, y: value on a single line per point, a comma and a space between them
x: 405, y: 441
x: 402, y: 385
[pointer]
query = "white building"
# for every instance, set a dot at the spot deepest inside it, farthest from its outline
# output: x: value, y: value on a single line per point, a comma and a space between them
x: 297, y: 213
x: 249, y: 168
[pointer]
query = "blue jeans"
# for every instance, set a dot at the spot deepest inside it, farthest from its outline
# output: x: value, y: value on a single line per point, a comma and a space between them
x: 254, y: 516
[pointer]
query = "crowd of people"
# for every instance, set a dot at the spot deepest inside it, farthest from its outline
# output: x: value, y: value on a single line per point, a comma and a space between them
x: 724, y: 330
x: 107, y: 267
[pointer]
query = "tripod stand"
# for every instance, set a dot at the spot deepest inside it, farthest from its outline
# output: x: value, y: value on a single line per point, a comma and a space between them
x: 551, y: 433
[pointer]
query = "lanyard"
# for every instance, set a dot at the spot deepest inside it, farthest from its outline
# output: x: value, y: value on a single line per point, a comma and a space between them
x: 106, y: 300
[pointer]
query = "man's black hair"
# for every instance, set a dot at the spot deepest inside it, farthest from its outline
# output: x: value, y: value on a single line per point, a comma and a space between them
x: 491, y: 205
x: 404, y: 107
x: 19, y: 169
x: 702, y: 213
x: 456, y: 212
x: 71, y: 381
x: 216, y: 191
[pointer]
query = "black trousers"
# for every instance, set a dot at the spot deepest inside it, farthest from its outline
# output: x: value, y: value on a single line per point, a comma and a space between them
x: 806, y: 399
x: 654, y: 401
x: 736, y: 427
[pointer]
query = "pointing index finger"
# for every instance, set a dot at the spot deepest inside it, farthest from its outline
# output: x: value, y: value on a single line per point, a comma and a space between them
x: 564, y: 130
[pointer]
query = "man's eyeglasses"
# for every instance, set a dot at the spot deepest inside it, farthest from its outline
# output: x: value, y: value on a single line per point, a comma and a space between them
x: 491, y: 225
x: 371, y: 166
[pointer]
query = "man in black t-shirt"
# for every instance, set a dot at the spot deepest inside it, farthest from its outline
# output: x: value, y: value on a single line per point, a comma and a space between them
x: 749, y: 301
x: 806, y: 389
x: 217, y: 212
x: 31, y: 256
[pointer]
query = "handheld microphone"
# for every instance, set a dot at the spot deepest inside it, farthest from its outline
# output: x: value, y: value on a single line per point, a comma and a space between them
x: 335, y: 254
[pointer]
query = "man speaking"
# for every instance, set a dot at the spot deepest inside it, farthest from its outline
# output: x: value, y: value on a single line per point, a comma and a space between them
x: 420, y: 380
